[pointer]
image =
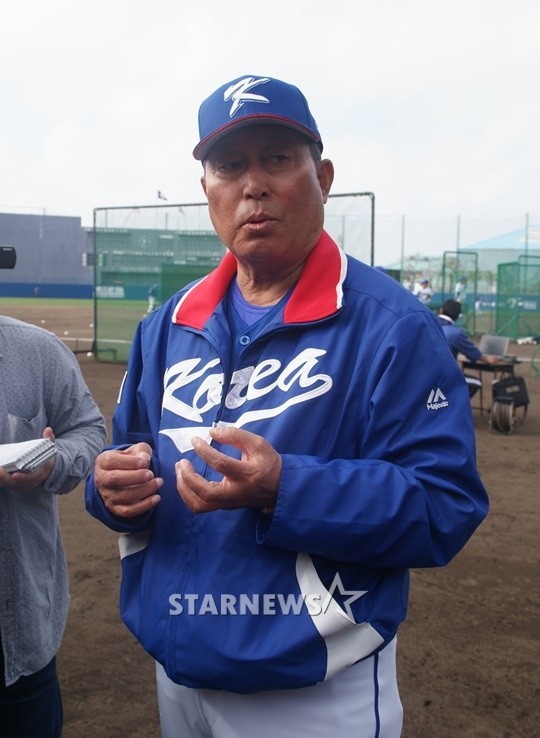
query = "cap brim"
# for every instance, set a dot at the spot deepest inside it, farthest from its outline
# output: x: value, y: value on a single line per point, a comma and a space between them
x: 200, y: 152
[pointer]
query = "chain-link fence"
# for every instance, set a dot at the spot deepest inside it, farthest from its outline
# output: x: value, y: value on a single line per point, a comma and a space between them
x: 518, y: 298
x: 403, y: 239
x: 461, y: 256
x: 143, y: 255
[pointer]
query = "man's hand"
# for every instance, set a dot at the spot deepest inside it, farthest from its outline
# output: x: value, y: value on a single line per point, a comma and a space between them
x: 27, y: 481
x: 126, y: 485
x: 489, y: 359
x: 252, y: 481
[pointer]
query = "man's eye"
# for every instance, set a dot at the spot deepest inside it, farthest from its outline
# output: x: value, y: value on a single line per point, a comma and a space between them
x: 280, y: 160
x: 227, y: 165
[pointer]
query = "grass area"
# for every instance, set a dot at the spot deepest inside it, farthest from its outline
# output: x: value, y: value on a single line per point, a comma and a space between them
x: 115, y: 320
x: 48, y: 301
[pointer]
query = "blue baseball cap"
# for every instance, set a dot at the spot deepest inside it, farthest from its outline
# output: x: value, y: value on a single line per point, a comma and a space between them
x: 249, y: 100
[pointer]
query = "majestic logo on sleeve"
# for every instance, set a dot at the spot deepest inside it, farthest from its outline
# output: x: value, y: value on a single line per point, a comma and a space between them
x: 240, y: 93
x: 191, y: 389
x: 436, y: 400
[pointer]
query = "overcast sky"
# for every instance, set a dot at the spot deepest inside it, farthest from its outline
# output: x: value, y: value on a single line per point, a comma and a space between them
x: 433, y: 106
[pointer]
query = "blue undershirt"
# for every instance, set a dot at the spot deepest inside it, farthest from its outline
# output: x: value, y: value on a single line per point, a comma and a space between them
x: 246, y: 321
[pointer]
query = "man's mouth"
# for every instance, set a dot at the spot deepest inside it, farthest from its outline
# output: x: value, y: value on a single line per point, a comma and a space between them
x: 259, y: 218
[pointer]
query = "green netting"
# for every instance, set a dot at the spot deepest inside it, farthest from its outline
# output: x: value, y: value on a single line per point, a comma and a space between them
x: 518, y: 298
x: 162, y: 248
x: 460, y: 281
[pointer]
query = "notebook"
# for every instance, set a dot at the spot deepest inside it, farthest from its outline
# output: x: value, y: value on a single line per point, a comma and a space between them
x: 26, y: 455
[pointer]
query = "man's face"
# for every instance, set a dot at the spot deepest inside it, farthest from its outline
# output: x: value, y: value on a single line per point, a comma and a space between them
x: 266, y: 195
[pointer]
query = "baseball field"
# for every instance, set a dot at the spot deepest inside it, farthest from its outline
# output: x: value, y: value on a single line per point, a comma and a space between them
x: 468, y: 654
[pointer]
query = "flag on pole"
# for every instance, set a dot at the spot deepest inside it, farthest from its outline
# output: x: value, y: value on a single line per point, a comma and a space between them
x: 160, y: 195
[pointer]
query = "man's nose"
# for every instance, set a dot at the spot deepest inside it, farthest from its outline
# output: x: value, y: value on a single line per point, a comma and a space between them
x: 256, y: 184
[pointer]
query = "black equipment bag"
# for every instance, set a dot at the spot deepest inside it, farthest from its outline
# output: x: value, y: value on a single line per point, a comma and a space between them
x: 508, y: 395
x: 512, y: 389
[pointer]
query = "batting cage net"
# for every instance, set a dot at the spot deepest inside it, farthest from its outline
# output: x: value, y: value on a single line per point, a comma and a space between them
x: 143, y: 255
x: 460, y: 281
x: 518, y: 298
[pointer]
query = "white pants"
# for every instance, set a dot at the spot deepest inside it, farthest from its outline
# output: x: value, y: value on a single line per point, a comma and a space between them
x: 359, y: 702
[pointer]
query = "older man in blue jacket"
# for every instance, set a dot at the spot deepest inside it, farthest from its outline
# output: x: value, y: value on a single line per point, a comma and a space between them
x: 291, y: 437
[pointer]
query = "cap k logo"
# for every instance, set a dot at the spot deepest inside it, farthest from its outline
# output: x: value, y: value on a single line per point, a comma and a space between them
x: 239, y: 93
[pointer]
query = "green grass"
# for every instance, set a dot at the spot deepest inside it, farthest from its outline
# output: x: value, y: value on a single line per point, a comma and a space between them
x: 116, y: 320
x: 54, y: 301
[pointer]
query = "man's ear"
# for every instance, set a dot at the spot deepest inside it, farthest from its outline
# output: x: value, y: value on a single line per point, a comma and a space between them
x: 325, y: 175
x: 203, y: 183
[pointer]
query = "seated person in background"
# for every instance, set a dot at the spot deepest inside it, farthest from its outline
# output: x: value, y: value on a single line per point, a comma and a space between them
x: 459, y: 342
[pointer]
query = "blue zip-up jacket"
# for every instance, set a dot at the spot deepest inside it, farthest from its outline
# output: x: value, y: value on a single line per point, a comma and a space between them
x: 458, y: 341
x: 354, y: 385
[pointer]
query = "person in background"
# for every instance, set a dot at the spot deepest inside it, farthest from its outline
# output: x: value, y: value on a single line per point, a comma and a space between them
x: 43, y: 395
x: 152, y: 298
x: 460, y: 343
x: 278, y: 461
x: 460, y: 290
x: 409, y: 283
x: 423, y: 291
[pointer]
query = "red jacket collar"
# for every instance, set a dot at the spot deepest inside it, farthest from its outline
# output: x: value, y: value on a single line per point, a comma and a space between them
x: 317, y: 294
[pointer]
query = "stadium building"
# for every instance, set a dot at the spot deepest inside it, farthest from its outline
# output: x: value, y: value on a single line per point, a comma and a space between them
x: 54, y: 256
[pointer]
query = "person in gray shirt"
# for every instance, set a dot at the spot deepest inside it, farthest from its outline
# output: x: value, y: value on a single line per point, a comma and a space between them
x: 43, y: 395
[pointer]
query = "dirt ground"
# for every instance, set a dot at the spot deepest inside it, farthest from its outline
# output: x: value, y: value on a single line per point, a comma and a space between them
x: 468, y: 653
